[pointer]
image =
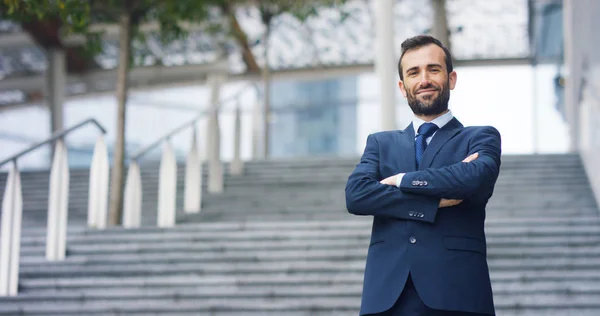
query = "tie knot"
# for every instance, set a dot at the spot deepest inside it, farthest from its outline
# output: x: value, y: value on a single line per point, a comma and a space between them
x: 427, y: 129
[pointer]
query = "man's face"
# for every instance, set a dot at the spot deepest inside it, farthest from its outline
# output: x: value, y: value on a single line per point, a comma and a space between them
x: 426, y: 83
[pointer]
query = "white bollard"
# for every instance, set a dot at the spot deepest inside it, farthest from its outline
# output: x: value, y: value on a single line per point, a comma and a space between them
x: 257, y: 125
x: 98, y: 190
x: 237, y: 166
x: 192, y: 197
x: 10, y: 242
x: 132, y: 209
x: 58, y: 202
x: 167, y: 187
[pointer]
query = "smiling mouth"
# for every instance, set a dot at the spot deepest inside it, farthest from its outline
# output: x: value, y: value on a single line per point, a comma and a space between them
x: 426, y: 91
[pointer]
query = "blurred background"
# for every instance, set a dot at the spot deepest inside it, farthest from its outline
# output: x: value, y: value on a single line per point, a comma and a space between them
x: 324, y: 95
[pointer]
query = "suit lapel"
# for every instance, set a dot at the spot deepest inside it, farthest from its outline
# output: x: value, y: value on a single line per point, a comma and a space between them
x: 406, y: 142
x: 441, y: 137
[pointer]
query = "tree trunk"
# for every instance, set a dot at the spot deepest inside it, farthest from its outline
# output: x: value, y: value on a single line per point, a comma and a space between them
x: 242, y: 40
x: 116, y: 196
x: 266, y: 76
x: 440, y: 23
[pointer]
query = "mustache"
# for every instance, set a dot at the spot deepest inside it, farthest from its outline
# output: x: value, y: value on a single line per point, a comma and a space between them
x: 428, y: 87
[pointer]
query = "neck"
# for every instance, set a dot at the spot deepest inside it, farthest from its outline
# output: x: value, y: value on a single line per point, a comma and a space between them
x: 429, y: 118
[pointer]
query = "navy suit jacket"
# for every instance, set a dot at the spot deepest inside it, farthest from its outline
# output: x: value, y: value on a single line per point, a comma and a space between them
x: 444, y: 250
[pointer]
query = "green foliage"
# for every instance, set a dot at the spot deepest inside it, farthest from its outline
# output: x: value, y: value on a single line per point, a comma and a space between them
x: 74, y: 12
x: 78, y: 16
x: 173, y: 17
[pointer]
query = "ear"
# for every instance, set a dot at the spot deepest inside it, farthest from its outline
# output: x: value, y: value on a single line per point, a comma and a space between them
x: 402, y: 88
x: 452, y: 80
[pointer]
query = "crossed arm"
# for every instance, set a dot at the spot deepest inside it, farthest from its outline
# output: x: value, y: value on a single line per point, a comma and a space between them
x: 473, y: 178
x: 365, y: 195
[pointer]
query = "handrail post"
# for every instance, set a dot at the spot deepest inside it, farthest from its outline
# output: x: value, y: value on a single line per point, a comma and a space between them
x: 10, y: 243
x: 98, y: 189
x: 256, y: 128
x: 132, y: 208
x: 237, y: 166
x: 58, y: 203
x: 215, y: 169
x: 193, y: 178
x: 167, y: 187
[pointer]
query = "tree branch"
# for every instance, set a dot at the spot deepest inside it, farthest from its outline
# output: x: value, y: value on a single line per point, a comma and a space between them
x: 241, y: 38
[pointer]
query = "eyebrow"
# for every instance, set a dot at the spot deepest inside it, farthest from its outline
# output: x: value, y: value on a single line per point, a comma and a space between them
x: 428, y: 66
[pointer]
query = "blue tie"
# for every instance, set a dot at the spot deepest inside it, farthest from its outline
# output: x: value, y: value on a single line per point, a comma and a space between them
x: 425, y: 131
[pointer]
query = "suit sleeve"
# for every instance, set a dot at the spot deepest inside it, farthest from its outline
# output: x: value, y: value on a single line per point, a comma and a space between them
x: 461, y: 180
x: 365, y: 195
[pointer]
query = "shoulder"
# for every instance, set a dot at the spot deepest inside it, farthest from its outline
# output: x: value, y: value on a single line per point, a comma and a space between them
x: 383, y: 135
x: 482, y: 130
x: 483, y: 135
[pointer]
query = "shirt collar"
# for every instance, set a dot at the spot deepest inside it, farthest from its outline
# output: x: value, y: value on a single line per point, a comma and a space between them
x: 439, y: 121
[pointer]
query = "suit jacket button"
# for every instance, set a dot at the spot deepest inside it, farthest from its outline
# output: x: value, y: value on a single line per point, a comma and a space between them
x: 425, y: 183
x: 412, y: 240
x: 415, y: 183
x: 421, y: 215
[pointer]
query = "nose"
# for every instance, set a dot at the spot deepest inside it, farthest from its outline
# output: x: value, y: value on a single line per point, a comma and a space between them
x: 424, y: 80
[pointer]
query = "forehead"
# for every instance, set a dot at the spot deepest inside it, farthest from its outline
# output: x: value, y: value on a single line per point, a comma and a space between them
x: 423, y: 56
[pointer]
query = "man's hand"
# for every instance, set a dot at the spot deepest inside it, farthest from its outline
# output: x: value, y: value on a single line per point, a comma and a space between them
x: 443, y: 202
x: 389, y: 180
x: 471, y: 157
x: 449, y: 203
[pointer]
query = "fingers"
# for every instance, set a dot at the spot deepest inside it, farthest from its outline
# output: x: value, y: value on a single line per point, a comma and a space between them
x: 471, y: 157
x: 449, y: 203
x: 389, y: 181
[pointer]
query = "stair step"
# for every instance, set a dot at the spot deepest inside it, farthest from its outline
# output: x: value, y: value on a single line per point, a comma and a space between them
x: 341, y: 252
x: 358, y: 227
x: 499, y: 278
x: 342, y: 220
x: 273, y: 245
x: 214, y: 306
x: 493, y: 235
x: 280, y: 266
x: 300, y: 290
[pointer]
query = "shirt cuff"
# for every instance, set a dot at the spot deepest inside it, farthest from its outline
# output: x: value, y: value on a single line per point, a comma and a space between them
x: 399, y: 179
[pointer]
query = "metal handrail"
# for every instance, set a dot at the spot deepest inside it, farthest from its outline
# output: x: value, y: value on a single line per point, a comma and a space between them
x: 55, y: 136
x: 187, y: 124
x: 27, y: 140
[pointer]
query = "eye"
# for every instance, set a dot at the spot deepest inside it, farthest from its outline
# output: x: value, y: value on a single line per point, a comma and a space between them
x: 435, y: 70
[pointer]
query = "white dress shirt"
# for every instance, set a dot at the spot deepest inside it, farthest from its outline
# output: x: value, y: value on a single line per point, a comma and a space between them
x: 440, y: 121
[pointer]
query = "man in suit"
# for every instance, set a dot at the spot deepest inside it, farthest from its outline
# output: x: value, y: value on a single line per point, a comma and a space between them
x: 426, y: 187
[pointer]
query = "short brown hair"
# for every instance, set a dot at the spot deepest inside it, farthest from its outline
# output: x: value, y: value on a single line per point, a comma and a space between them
x: 420, y: 41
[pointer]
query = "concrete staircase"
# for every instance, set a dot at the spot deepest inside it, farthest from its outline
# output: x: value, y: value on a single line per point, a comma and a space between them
x: 280, y: 242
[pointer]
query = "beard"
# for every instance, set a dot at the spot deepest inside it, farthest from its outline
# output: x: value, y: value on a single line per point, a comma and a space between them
x: 428, y: 105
